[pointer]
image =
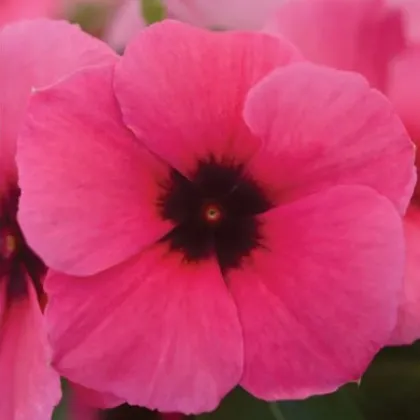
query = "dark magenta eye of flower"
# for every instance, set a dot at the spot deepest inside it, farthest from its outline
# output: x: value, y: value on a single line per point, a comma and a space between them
x: 17, y: 260
x: 214, y: 212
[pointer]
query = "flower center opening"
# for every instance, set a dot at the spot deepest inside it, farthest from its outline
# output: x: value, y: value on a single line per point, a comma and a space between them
x: 8, y: 245
x: 212, y: 213
x: 215, y: 213
x: 17, y: 261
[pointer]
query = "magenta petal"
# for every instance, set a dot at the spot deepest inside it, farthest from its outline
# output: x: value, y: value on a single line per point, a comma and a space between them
x: 181, y: 90
x: 324, y: 127
x: 408, y: 325
x: 167, y: 337
x: 29, y: 387
x: 319, y: 298
x: 89, y: 190
x: 33, y: 54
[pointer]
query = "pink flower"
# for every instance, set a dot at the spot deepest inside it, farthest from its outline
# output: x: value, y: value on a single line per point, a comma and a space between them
x: 411, y: 17
x: 125, y: 24
x: 217, y: 212
x: 32, y: 54
x: 357, y: 35
x: 232, y: 14
x: 368, y: 36
x: 12, y: 10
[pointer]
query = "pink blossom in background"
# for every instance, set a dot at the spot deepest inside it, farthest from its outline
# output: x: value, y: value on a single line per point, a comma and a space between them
x: 371, y: 37
x: 126, y: 22
x: 221, y: 216
x: 29, y: 387
x: 12, y: 10
x: 357, y: 35
x: 225, y: 14
x: 411, y: 17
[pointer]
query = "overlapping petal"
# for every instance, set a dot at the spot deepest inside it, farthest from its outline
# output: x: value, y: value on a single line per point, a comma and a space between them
x: 167, y: 337
x: 89, y: 189
x: 185, y: 102
x: 319, y: 298
x: 34, y: 54
x: 342, y: 132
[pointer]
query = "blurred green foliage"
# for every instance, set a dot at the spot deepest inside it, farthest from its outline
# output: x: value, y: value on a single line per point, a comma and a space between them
x: 152, y: 11
x: 390, y: 390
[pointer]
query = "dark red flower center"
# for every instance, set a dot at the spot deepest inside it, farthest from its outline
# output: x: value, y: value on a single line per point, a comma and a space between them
x: 214, y: 211
x: 17, y: 260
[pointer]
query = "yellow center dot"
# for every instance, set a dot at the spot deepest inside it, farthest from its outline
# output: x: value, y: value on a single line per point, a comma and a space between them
x: 9, y: 246
x: 212, y: 213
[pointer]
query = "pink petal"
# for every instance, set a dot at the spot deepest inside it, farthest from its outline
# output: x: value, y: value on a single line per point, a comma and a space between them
x: 186, y: 105
x: 411, y: 12
x: 56, y: 49
x: 126, y: 22
x: 84, y: 397
x: 232, y: 14
x: 324, y: 127
x: 319, y: 298
x: 89, y: 189
x: 404, y: 89
x: 408, y: 326
x: 29, y: 387
x: 167, y: 337
x: 358, y: 35
x: 12, y: 10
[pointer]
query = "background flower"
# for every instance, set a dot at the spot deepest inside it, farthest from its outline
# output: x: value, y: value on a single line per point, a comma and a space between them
x: 32, y: 54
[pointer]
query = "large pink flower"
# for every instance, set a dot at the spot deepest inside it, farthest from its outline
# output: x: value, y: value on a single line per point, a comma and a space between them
x: 32, y: 54
x: 370, y: 37
x: 223, y: 214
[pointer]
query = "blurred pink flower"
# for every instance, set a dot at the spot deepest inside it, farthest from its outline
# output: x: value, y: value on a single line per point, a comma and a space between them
x: 32, y: 53
x: 12, y: 10
x: 222, y: 213
x: 357, y: 35
x: 226, y: 14
x: 368, y: 36
x: 125, y: 24
x: 411, y: 16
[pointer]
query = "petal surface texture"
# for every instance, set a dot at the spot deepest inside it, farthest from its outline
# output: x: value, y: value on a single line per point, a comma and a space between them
x: 89, y: 188
x: 186, y: 111
x: 29, y: 387
x: 167, y: 337
x: 319, y: 298
x: 342, y: 132
x: 56, y: 49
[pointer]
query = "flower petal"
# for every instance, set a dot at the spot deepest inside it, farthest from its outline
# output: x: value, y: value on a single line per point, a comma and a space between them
x: 319, y: 298
x: 323, y: 127
x: 29, y: 387
x: 167, y: 337
x: 181, y: 90
x: 33, y: 54
x: 126, y: 22
x: 357, y: 35
x: 408, y: 325
x: 404, y: 89
x: 89, y: 190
